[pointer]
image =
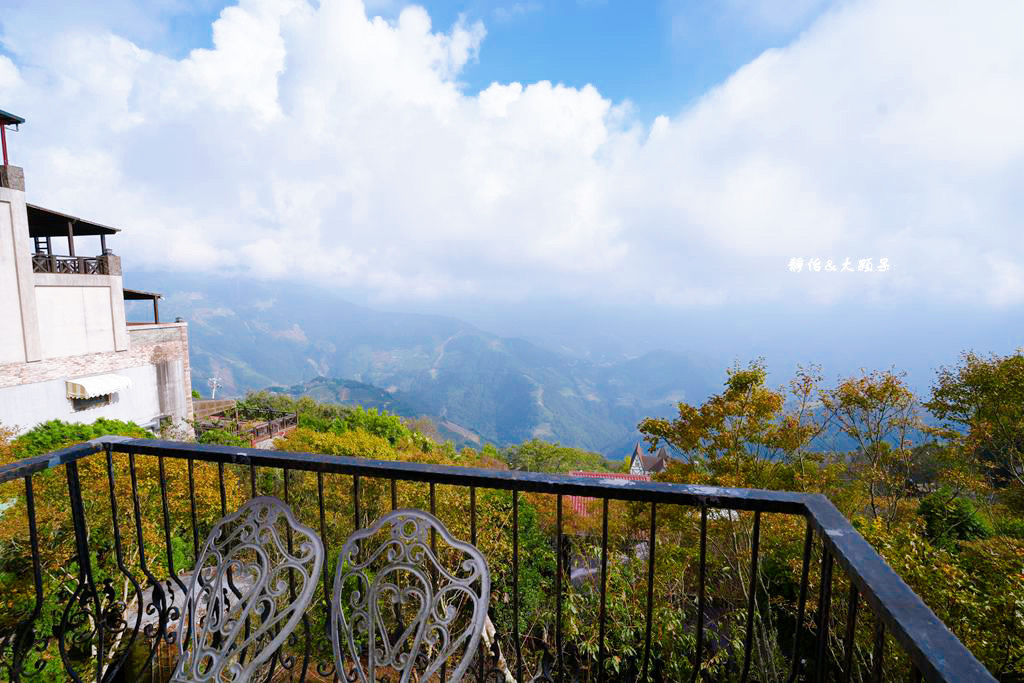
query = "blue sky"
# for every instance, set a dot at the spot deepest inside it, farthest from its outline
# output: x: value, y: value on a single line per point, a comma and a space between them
x: 660, y: 55
x: 668, y: 159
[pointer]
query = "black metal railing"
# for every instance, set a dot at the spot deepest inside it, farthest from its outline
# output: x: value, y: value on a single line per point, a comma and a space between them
x: 110, y: 622
x: 70, y: 265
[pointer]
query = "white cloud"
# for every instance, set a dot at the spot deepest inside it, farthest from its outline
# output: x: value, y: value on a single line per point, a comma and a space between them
x: 9, y: 77
x: 1008, y: 281
x: 321, y: 144
x: 774, y: 15
x: 516, y: 10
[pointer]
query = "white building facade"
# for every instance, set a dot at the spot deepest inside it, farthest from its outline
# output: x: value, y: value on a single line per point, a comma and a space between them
x: 66, y: 350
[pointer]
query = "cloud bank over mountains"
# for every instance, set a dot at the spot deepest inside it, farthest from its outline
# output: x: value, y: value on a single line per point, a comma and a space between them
x: 317, y: 143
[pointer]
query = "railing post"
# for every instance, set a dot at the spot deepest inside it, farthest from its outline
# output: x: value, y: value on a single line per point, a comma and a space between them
x: 25, y: 633
x: 77, y: 610
x: 78, y: 520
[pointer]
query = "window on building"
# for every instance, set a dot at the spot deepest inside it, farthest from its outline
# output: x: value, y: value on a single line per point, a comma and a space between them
x: 94, y: 402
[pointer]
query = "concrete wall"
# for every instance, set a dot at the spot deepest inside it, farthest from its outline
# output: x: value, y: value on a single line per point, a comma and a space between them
x: 27, y: 405
x: 74, y: 320
x: 79, y: 314
x: 19, y: 327
x: 157, y: 363
x: 170, y: 341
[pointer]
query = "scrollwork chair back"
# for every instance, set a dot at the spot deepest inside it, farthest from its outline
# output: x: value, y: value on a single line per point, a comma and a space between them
x: 399, y: 609
x: 255, y: 576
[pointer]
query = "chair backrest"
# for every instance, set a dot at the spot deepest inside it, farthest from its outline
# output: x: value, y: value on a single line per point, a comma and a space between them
x: 398, y: 606
x: 252, y: 582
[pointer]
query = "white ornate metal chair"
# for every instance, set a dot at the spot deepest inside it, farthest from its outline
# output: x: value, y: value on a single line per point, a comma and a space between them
x: 399, y: 608
x: 254, y: 577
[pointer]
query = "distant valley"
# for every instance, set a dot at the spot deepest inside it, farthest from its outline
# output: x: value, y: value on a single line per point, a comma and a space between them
x: 478, y: 387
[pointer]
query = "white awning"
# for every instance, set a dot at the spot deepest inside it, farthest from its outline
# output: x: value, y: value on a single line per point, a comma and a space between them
x: 98, y: 385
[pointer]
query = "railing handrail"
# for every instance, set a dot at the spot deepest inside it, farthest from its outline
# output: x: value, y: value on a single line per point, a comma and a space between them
x: 74, y: 265
x: 932, y: 647
x: 272, y: 425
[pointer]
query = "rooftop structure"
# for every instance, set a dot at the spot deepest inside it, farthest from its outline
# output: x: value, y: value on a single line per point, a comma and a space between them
x: 7, y: 119
x: 646, y: 463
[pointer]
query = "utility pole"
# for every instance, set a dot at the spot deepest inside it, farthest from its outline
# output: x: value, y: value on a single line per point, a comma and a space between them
x: 214, y: 383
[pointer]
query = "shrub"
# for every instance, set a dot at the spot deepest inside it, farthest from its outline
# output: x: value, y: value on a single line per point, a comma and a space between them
x: 382, y: 424
x: 1010, y: 526
x: 356, y: 443
x: 55, y: 434
x: 315, y: 422
x: 1013, y: 497
x: 222, y: 437
x: 949, y: 518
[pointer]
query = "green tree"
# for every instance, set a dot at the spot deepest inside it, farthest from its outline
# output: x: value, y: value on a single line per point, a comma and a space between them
x: 56, y: 434
x: 357, y: 443
x: 981, y: 405
x: 541, y: 456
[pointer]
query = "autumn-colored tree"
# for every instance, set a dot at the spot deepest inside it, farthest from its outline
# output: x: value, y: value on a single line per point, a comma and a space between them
x: 749, y: 435
x: 741, y: 434
x: 880, y: 413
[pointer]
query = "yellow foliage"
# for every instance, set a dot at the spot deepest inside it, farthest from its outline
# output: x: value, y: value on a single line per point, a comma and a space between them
x: 355, y: 442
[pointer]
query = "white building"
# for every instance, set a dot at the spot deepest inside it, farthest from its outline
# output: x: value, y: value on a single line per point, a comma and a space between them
x: 646, y: 464
x: 66, y: 350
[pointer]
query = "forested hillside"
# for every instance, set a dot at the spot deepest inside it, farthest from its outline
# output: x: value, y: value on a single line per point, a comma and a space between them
x: 484, y: 387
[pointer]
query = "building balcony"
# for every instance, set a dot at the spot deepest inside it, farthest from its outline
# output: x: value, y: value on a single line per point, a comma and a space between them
x: 688, y: 582
x: 105, y: 264
x: 46, y: 225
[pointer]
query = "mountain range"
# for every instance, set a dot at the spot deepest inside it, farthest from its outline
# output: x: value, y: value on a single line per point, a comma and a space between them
x: 475, y: 385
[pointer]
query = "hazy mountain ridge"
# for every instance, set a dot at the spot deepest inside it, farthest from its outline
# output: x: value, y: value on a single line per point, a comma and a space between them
x: 504, y: 390
x: 350, y: 392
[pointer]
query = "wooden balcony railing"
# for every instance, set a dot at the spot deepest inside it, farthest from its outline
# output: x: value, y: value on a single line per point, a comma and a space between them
x: 277, y: 423
x: 70, y: 265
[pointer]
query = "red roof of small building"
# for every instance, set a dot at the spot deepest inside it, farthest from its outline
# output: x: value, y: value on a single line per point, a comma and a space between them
x: 582, y: 505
